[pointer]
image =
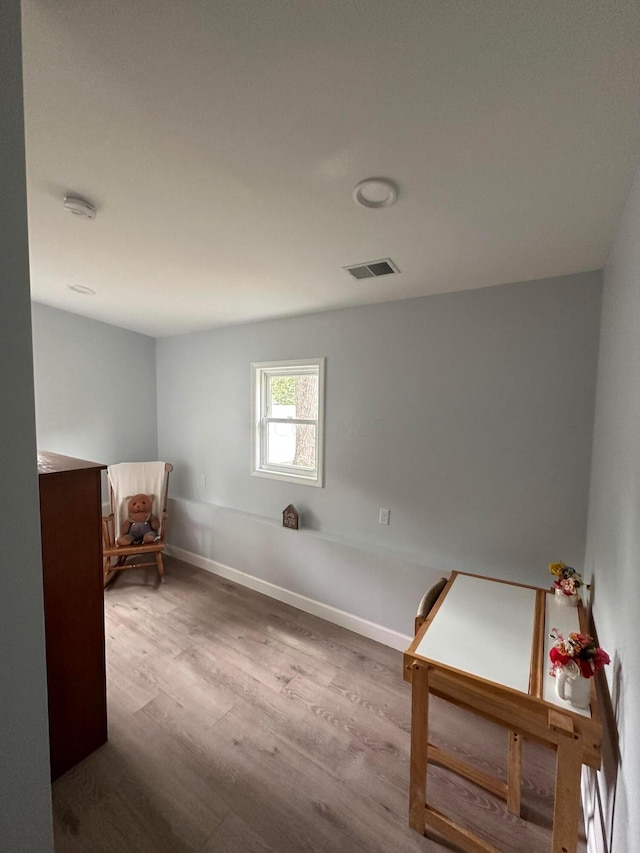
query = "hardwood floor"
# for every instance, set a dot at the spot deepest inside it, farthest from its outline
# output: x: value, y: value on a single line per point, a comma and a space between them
x: 237, y: 723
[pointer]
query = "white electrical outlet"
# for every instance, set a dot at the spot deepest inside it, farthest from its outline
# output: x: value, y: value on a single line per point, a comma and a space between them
x: 383, y: 517
x: 203, y: 481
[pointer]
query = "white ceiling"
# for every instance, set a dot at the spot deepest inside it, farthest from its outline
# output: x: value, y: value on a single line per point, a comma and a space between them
x: 221, y: 141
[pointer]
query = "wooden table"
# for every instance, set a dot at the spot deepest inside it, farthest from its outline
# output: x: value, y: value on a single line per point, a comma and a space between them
x: 485, y: 647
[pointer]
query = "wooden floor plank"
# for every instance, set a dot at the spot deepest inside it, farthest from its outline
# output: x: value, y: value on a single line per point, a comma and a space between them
x: 238, y: 724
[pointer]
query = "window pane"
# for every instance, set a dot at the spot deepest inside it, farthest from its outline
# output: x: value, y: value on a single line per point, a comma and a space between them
x: 291, y: 444
x: 293, y: 396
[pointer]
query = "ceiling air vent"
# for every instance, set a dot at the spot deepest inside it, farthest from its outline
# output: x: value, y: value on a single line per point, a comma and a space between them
x: 372, y: 269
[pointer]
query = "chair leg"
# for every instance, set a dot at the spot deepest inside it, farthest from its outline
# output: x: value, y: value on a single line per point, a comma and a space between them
x: 107, y: 572
x: 160, y: 565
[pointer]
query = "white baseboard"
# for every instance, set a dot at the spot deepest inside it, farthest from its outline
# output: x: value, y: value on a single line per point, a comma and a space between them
x: 379, y: 633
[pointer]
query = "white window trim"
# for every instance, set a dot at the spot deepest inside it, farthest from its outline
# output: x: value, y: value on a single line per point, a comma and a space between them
x: 259, y: 372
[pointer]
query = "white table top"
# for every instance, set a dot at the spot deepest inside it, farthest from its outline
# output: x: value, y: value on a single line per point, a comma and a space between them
x: 485, y: 629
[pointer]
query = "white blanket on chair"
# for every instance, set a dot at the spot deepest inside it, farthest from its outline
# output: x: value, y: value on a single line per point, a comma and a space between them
x: 134, y: 478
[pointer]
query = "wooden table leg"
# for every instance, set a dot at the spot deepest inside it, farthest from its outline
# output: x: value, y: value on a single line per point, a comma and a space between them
x: 514, y: 773
x: 566, y: 811
x: 419, y: 745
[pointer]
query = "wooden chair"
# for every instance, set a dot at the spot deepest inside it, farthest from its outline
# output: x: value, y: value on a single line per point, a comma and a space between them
x: 428, y: 600
x: 110, y: 524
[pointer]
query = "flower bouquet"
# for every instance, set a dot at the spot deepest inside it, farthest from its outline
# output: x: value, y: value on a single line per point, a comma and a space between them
x: 573, y: 662
x: 579, y: 649
x: 567, y: 582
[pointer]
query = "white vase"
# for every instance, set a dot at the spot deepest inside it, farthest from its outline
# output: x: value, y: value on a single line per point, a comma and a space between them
x: 567, y: 600
x: 572, y: 686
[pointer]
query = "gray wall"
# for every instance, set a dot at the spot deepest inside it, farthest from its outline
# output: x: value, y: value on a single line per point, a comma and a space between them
x: 95, y: 388
x: 469, y: 415
x: 25, y: 806
x: 613, y: 544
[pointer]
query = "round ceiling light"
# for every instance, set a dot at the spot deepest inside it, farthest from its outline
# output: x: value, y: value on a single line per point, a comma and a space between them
x: 80, y: 288
x: 79, y: 207
x: 375, y: 192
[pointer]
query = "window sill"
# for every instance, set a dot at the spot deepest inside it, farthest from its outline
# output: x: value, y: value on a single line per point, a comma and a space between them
x: 289, y: 478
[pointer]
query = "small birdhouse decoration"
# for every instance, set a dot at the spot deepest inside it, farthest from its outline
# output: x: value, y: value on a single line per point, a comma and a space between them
x: 290, y: 517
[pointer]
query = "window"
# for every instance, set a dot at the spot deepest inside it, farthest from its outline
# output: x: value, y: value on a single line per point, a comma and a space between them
x: 287, y: 417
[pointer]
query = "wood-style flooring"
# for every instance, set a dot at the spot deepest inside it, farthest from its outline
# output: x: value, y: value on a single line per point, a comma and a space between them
x: 238, y: 724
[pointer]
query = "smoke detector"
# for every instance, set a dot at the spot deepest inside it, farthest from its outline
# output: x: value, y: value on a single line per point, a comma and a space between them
x: 79, y: 207
x: 372, y: 269
x: 375, y: 192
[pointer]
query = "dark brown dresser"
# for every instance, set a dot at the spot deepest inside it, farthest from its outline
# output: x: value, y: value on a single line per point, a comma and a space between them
x: 70, y: 514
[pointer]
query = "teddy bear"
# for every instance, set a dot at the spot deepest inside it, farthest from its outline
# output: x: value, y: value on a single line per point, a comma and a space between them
x: 141, y: 526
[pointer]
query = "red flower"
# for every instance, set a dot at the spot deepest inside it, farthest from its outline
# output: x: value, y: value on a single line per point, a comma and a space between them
x: 585, y: 667
x: 558, y: 658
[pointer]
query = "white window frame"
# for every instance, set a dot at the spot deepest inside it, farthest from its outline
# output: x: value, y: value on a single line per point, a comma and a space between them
x: 260, y: 373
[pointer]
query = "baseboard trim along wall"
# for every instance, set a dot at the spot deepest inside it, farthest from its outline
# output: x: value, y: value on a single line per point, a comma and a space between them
x: 357, y: 624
